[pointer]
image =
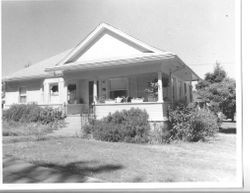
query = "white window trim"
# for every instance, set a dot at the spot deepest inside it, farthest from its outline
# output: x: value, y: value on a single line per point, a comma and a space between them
x: 22, y: 94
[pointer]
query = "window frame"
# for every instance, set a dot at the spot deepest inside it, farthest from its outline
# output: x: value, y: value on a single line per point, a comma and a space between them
x: 50, y: 89
x: 22, y: 94
x: 114, y: 90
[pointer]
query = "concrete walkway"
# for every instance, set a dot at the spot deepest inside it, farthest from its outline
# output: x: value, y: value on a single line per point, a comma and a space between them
x: 72, y: 128
x: 19, y: 171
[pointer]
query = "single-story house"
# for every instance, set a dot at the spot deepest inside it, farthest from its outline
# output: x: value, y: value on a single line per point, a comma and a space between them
x: 106, y: 72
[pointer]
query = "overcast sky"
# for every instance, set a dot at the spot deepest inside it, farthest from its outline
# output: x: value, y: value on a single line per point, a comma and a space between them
x: 199, y: 31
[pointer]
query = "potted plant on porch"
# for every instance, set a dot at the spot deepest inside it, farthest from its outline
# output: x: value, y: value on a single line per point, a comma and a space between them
x: 152, y: 90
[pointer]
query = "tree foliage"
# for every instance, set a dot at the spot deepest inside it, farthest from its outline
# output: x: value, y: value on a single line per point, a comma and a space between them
x: 218, y: 75
x: 220, y: 91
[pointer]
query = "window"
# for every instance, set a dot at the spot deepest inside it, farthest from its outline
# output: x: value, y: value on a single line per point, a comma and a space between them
x: 22, y: 95
x: 118, y: 87
x: 54, y: 89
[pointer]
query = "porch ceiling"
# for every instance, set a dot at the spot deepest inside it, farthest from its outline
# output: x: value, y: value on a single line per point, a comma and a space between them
x: 178, y: 68
x: 121, y: 71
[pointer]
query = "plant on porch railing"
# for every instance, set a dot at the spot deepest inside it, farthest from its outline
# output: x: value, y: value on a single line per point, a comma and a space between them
x: 137, y: 100
x: 152, y: 90
x: 101, y: 99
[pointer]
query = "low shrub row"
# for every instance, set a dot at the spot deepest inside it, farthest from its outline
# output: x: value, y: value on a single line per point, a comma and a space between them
x: 32, y: 113
x: 185, y: 124
x: 125, y: 126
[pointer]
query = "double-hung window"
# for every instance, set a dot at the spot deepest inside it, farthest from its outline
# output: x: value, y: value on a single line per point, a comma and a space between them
x: 22, y: 95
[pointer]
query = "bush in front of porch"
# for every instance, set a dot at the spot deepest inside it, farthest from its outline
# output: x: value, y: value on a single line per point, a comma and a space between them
x: 184, y: 124
x: 122, y: 126
x: 32, y: 113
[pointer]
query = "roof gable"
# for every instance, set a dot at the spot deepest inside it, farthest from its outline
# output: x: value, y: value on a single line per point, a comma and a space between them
x: 108, y: 46
x: 107, y: 42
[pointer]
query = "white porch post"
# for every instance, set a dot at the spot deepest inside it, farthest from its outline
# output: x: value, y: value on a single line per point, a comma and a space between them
x: 160, y: 90
x: 46, y: 92
x: 62, y: 93
x: 95, y: 91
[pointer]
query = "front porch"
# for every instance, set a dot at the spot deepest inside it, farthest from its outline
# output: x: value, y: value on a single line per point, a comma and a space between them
x: 104, y: 91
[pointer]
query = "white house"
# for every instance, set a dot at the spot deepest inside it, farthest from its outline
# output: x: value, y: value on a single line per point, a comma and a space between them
x: 105, y: 66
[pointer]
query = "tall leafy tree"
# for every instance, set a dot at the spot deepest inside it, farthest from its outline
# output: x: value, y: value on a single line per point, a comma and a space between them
x: 220, y: 91
x: 218, y: 75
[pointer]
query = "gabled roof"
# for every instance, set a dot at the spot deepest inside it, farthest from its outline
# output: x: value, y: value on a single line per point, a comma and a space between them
x: 68, y: 59
x: 101, y: 30
x: 37, y: 70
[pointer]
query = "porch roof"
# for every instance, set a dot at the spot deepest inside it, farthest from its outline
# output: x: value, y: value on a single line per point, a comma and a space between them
x: 142, y: 59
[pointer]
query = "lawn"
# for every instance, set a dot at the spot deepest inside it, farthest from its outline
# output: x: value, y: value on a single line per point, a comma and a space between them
x: 122, y: 162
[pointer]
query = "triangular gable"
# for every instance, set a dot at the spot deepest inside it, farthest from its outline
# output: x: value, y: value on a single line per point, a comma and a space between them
x: 106, y: 42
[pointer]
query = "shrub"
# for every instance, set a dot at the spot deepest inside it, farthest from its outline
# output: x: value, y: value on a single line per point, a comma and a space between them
x: 191, y: 124
x: 32, y: 113
x: 125, y: 126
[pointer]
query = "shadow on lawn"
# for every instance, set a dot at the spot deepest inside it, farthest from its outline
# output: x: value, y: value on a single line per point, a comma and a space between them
x: 17, y: 171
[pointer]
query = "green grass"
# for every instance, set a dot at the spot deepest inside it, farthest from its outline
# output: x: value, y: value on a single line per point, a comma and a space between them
x: 123, y: 162
x: 22, y: 131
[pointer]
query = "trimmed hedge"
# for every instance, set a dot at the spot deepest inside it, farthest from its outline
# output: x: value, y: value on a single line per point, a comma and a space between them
x: 122, y: 126
x: 32, y: 113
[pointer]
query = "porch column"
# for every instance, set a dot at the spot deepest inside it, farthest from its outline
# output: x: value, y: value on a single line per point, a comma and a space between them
x: 95, y: 91
x: 46, y: 92
x: 160, y: 90
x: 62, y: 93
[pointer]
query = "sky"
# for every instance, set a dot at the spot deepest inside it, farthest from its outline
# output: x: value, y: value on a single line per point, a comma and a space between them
x: 200, y: 32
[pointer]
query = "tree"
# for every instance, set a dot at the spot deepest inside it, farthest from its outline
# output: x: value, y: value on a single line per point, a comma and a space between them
x: 220, y: 91
x: 218, y: 75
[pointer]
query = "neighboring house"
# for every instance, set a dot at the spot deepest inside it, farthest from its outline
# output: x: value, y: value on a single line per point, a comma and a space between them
x: 107, y: 65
